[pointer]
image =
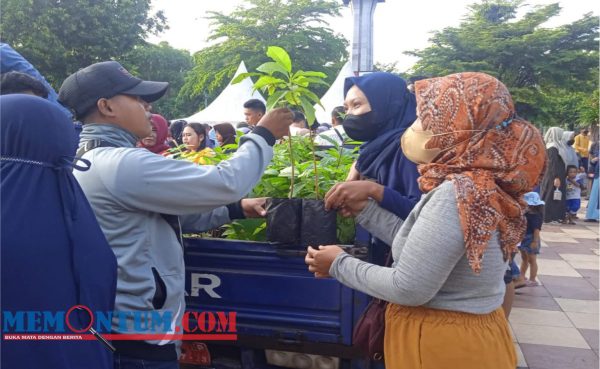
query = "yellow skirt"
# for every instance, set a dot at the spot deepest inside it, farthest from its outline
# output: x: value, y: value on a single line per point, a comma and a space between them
x: 424, y: 338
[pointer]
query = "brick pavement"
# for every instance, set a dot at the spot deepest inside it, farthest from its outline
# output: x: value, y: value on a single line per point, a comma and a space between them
x: 555, y: 325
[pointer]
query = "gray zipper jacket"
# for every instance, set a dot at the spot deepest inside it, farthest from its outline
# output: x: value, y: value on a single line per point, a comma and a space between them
x: 129, y: 188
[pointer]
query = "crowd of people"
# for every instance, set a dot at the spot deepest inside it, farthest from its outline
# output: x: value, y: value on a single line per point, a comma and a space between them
x: 572, y: 174
x: 453, y: 156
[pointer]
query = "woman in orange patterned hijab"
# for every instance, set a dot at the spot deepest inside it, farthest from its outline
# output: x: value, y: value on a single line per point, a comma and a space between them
x: 491, y: 156
x: 477, y: 159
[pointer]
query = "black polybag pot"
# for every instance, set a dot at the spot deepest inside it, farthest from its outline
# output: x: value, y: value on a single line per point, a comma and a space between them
x: 319, y: 227
x: 284, y: 220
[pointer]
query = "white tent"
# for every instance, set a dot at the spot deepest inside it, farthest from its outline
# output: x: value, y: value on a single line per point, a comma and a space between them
x: 228, y: 106
x: 334, y: 96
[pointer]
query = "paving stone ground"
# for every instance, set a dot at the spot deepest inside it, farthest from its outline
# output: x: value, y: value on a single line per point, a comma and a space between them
x: 555, y: 325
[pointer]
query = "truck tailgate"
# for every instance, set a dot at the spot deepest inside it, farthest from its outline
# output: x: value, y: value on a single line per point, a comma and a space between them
x: 271, y: 290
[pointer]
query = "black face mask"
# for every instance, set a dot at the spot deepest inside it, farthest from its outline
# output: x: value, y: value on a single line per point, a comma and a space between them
x: 361, y: 127
x: 570, y: 142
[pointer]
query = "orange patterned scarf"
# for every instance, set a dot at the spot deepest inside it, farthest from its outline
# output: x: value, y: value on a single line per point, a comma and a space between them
x: 490, y: 171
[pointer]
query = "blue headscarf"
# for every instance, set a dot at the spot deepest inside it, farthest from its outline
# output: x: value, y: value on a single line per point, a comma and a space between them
x: 54, y: 254
x: 11, y: 60
x: 382, y: 158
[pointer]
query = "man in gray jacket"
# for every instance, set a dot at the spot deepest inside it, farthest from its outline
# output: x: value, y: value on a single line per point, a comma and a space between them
x: 144, y: 201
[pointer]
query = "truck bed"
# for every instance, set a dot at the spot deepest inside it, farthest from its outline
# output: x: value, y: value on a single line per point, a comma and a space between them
x: 278, y: 302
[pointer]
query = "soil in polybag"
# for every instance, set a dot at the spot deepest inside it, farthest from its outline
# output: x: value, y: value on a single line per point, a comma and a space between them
x: 284, y: 220
x: 319, y: 227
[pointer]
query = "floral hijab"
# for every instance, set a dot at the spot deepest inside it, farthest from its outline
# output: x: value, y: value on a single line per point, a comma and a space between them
x: 495, y: 157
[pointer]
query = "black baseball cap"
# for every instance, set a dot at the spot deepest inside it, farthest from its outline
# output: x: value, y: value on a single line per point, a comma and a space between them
x: 82, y: 89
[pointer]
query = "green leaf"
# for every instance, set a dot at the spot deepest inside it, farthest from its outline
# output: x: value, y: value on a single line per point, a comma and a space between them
x: 316, y: 81
x: 266, y: 81
x: 285, y: 172
x: 297, y: 189
x: 242, y: 76
x: 291, y: 98
x: 272, y: 67
x: 274, y: 98
x: 309, y: 110
x: 280, y: 56
x: 315, y: 99
x: 310, y: 74
x: 301, y: 81
x: 330, y: 140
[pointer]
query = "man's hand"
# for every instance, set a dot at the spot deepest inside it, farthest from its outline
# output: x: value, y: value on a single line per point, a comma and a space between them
x: 254, y: 208
x: 350, y: 198
x: 556, y: 182
x: 319, y: 261
x: 277, y: 121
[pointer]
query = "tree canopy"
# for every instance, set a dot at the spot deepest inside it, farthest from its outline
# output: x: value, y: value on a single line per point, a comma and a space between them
x: 548, y: 70
x: 162, y: 63
x: 297, y: 26
x: 61, y: 36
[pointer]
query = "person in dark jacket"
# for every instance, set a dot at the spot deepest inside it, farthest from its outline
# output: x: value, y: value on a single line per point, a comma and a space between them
x: 54, y: 254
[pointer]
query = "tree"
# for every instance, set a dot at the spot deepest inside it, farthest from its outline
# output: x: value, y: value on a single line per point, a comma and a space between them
x: 162, y: 63
x: 539, y: 65
x: 245, y: 34
x: 61, y: 36
x: 588, y: 109
x: 386, y: 67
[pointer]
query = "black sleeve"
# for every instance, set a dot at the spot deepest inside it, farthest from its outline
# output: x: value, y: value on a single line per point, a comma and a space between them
x: 236, y: 211
x: 555, y: 164
x: 265, y: 133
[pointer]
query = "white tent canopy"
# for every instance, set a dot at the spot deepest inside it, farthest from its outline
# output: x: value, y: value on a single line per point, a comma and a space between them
x: 228, y: 106
x: 334, y: 96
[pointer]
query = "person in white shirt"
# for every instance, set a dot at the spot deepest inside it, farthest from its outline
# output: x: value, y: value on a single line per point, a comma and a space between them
x: 299, y: 126
x: 336, y: 133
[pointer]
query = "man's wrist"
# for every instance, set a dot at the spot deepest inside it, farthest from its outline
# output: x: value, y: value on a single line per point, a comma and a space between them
x: 265, y: 133
x: 236, y: 211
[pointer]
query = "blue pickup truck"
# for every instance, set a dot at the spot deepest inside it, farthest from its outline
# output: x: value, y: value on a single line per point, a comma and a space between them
x: 285, y: 317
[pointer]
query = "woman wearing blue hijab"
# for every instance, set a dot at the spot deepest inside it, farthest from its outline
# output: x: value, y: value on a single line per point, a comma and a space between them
x: 379, y: 108
x: 54, y: 255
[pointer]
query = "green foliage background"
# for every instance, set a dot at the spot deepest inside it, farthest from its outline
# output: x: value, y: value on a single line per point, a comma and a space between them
x: 61, y: 36
x: 552, y: 73
x: 296, y: 26
x: 162, y: 63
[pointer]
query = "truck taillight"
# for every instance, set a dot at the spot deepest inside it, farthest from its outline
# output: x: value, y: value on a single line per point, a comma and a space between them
x: 298, y: 360
x: 195, y: 353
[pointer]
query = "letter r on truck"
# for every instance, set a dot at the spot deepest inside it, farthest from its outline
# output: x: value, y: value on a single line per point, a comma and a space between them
x: 206, y: 282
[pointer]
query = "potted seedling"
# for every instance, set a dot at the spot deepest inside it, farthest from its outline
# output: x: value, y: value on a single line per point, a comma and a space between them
x: 294, y: 220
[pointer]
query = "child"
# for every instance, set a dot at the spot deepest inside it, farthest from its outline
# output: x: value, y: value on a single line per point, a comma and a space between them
x: 530, y: 246
x: 573, y: 197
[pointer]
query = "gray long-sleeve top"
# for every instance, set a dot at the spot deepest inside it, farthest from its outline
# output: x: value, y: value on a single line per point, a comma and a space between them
x: 430, y: 266
x: 129, y: 188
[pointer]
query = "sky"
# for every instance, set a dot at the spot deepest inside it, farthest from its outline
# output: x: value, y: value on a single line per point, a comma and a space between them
x: 400, y: 25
